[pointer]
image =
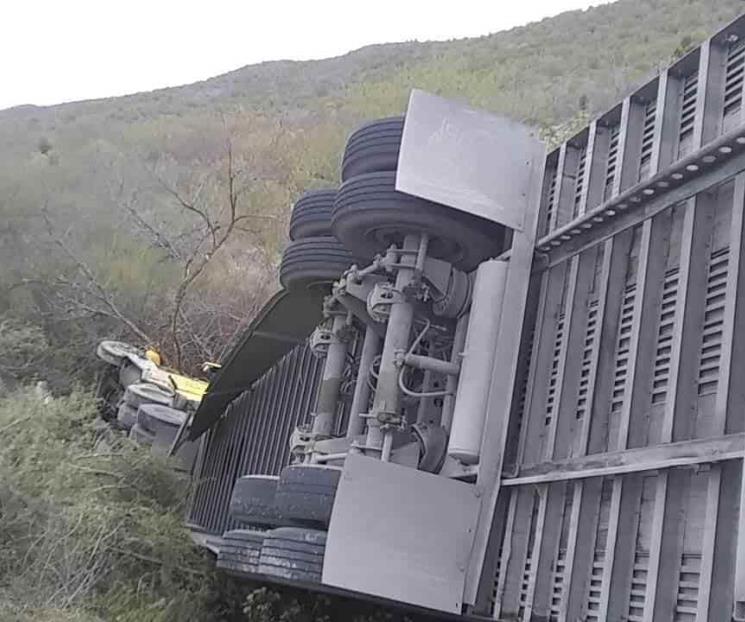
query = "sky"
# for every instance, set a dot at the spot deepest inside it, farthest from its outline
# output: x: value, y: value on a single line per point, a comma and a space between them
x: 53, y: 51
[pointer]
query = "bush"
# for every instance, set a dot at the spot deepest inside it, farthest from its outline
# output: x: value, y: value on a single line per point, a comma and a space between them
x: 23, y: 347
x: 90, y: 534
x: 293, y: 605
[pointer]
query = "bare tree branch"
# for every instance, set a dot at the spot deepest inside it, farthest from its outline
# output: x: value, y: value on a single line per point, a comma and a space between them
x: 220, y: 233
x: 100, y: 292
x: 160, y: 240
x: 211, y: 212
x: 189, y: 206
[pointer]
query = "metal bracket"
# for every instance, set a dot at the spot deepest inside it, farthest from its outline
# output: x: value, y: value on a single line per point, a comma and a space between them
x: 360, y: 287
x: 380, y: 299
x: 433, y: 442
x: 449, y: 289
x: 301, y: 441
x: 386, y: 419
x: 320, y: 341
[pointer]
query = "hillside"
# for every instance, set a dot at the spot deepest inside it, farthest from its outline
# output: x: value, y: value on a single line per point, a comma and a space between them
x: 94, y: 237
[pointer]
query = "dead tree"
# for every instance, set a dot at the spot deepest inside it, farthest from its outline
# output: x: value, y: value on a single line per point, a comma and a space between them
x: 212, y: 212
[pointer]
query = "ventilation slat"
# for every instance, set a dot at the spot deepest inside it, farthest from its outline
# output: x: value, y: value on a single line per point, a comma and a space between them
x: 661, y: 370
x: 580, y: 181
x: 687, y: 114
x: 711, y: 337
x: 645, y: 161
x: 622, y: 349
x: 733, y: 83
x: 551, y: 198
x: 553, y: 380
x: 611, y: 162
x: 584, y: 386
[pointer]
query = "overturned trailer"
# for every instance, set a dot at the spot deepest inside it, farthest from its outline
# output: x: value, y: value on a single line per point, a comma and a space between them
x: 525, y: 398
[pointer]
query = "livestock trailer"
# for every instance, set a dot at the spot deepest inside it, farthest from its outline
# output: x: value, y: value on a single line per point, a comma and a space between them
x: 501, y: 383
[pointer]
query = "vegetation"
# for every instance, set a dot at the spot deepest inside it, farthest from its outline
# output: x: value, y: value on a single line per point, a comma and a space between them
x: 92, y: 531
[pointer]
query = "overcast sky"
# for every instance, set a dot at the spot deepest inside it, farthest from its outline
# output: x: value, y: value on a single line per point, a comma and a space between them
x: 53, y: 51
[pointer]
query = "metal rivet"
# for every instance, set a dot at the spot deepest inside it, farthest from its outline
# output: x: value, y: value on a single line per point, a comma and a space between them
x: 708, y: 159
x: 598, y: 219
x: 740, y: 140
x: 566, y: 237
x: 610, y: 212
x: 622, y: 205
x: 725, y: 149
x: 648, y: 191
x: 677, y: 176
x: 575, y: 231
x: 635, y: 199
x: 555, y: 243
x: 663, y: 184
x: 586, y: 225
x: 692, y: 167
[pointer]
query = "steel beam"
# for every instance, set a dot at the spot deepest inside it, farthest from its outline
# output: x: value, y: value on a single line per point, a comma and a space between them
x: 479, y: 577
x: 715, y: 588
x: 667, y: 527
x: 361, y: 397
x: 558, y: 433
x: 710, y: 166
x: 665, y: 456
x: 586, y: 493
x: 387, y: 393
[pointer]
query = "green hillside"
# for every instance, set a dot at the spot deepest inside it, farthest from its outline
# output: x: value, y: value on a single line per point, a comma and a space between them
x: 96, y: 231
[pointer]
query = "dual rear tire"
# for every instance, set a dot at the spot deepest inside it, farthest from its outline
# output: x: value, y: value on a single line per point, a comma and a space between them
x: 302, y: 495
x: 370, y: 214
x: 330, y: 228
x: 288, y: 553
x: 314, y: 258
x: 295, y: 508
x: 314, y: 262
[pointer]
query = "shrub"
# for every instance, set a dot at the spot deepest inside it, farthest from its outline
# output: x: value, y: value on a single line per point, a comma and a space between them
x: 88, y: 532
x: 23, y: 347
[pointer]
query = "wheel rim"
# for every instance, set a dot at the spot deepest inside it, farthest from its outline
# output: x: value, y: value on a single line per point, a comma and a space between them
x: 119, y: 349
x: 382, y: 236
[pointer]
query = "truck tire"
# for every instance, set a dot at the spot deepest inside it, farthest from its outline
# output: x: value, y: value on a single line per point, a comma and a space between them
x: 373, y: 148
x: 126, y: 416
x: 307, y: 492
x: 140, y: 436
x: 240, y: 551
x: 293, y: 553
x: 153, y: 417
x: 108, y: 392
x: 370, y: 215
x: 129, y: 374
x: 141, y: 393
x: 114, y: 352
x: 163, y: 423
x: 252, y: 501
x: 313, y: 262
x: 311, y: 215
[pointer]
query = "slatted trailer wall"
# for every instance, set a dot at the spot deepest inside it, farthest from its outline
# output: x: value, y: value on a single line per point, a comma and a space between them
x: 623, y: 496
x: 253, y: 436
